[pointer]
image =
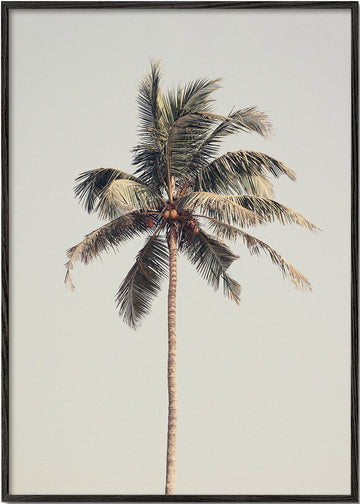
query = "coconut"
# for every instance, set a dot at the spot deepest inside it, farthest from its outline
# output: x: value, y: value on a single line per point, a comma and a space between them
x: 150, y: 222
x: 196, y: 230
x: 166, y: 214
x: 173, y: 213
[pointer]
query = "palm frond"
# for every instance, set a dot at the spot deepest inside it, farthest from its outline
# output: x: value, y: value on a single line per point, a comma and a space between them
x: 103, y: 239
x: 122, y: 196
x: 195, y: 96
x: 221, y: 177
x: 270, y: 210
x: 185, y: 135
x: 149, y: 98
x: 220, y: 207
x: 249, y: 120
x: 143, y: 281
x: 256, y: 246
x: 151, y: 165
x: 238, y: 171
x: 232, y: 288
x: 256, y: 185
x: 212, y: 259
x: 92, y: 184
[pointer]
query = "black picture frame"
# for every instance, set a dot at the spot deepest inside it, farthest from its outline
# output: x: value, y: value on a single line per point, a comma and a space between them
x: 6, y: 8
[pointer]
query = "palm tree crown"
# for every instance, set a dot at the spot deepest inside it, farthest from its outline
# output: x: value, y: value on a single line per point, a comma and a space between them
x: 182, y: 181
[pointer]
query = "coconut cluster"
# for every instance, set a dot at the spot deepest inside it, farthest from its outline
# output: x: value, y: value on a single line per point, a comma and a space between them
x: 185, y: 218
x: 193, y: 226
x: 170, y: 213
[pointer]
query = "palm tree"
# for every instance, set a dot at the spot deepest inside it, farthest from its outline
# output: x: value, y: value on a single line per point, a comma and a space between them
x: 186, y: 198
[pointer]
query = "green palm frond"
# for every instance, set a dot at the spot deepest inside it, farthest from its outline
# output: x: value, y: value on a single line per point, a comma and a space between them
x: 249, y: 120
x: 212, y: 259
x: 103, y: 239
x: 122, y: 196
x: 92, y: 184
x: 220, y: 207
x: 221, y: 177
x: 236, y: 170
x: 149, y: 100
x: 185, y: 136
x: 143, y: 281
x: 270, y: 210
x: 195, y: 96
x: 256, y: 246
x: 149, y: 154
x: 150, y: 161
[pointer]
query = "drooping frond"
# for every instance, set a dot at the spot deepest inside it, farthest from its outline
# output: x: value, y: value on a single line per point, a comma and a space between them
x: 103, y: 239
x: 232, y: 288
x: 220, y: 207
x: 249, y: 120
x: 212, y: 259
x: 256, y: 246
x: 270, y: 210
x: 222, y: 178
x: 237, y: 171
x: 123, y: 196
x: 143, y: 281
x: 149, y: 98
x: 258, y: 186
x: 92, y: 184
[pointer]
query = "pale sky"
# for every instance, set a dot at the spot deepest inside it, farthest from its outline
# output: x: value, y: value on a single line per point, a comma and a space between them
x: 263, y: 388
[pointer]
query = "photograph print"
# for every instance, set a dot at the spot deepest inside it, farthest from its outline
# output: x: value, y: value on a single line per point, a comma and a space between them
x: 192, y: 168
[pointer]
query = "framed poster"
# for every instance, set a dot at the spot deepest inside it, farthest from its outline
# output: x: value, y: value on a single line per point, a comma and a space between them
x: 213, y: 149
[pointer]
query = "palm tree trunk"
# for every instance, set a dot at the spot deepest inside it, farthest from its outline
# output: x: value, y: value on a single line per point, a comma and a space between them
x: 172, y: 415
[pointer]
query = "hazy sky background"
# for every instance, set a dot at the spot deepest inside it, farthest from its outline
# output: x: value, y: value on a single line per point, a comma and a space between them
x: 264, y: 388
